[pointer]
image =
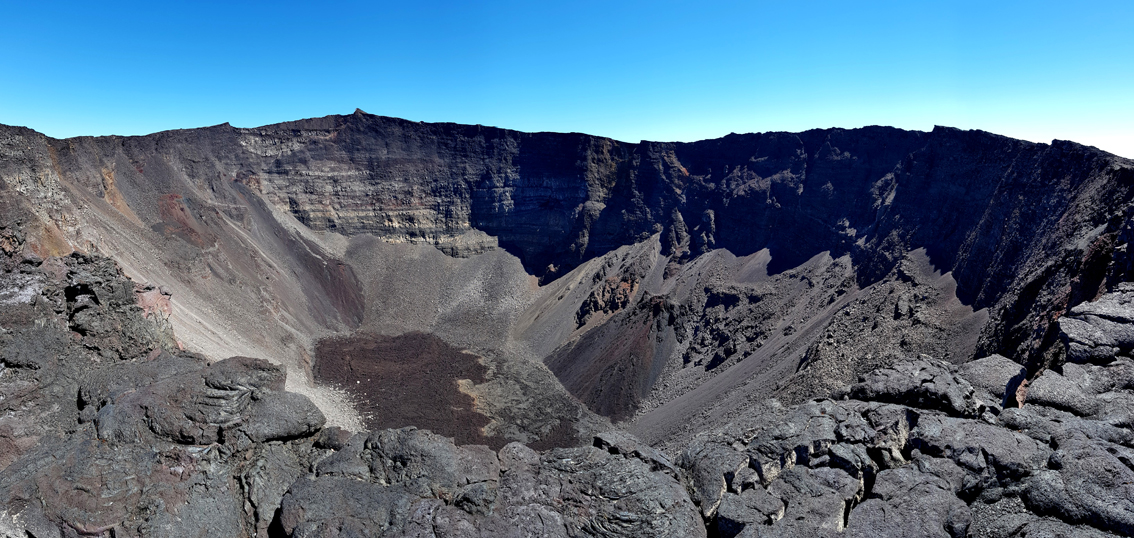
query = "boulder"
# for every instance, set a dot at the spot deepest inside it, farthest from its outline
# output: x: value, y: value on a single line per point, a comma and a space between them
x: 918, y: 383
x: 754, y: 506
x: 1070, y: 394
x: 998, y: 458
x: 996, y: 376
x: 1053, y: 427
x: 282, y: 416
x: 1089, y: 482
x: 1095, y: 332
x: 816, y: 501
x: 915, y: 500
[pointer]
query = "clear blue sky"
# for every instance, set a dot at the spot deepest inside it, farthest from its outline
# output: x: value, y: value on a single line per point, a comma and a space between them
x: 656, y: 70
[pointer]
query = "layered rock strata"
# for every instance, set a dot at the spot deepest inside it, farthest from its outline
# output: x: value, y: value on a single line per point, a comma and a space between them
x: 973, y: 200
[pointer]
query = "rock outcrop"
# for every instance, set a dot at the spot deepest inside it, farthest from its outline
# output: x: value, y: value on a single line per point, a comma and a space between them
x: 413, y: 483
x: 915, y: 450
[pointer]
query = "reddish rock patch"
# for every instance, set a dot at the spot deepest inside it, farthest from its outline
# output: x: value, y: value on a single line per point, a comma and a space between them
x: 154, y: 301
x: 179, y: 220
x: 407, y: 380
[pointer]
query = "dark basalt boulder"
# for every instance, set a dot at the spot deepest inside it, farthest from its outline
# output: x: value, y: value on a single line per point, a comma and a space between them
x: 200, y: 409
x: 996, y: 458
x: 281, y: 416
x: 919, y: 383
x: 1088, y: 483
x: 1070, y: 390
x: 1094, y: 332
x: 752, y: 505
x: 919, y: 499
x: 988, y: 376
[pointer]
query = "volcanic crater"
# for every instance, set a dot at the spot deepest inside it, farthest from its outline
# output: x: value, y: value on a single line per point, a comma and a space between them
x: 372, y: 325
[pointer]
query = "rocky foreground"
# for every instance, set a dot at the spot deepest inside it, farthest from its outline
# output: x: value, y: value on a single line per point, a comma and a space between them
x: 108, y: 430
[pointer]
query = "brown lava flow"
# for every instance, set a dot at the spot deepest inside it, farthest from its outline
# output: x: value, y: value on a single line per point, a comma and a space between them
x: 407, y: 380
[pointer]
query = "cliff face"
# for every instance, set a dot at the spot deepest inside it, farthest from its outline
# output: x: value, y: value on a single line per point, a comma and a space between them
x: 1001, y: 214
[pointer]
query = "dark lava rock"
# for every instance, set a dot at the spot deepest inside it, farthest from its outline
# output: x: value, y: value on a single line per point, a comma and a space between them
x: 753, y: 506
x: 191, y: 409
x: 1095, y: 332
x: 622, y: 443
x: 915, y: 500
x: 1070, y: 392
x: 341, y: 506
x: 997, y: 376
x: 907, y: 452
x: 159, y: 460
x: 1053, y: 427
x: 412, y: 482
x: 411, y: 379
x: 1089, y: 483
x: 166, y: 444
x: 282, y: 416
x: 920, y: 383
x: 995, y: 457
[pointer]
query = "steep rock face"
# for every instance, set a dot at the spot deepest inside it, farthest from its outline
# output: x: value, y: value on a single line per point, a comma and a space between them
x: 973, y: 200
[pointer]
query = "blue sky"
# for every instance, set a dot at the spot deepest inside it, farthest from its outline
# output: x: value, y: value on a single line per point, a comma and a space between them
x: 662, y: 70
